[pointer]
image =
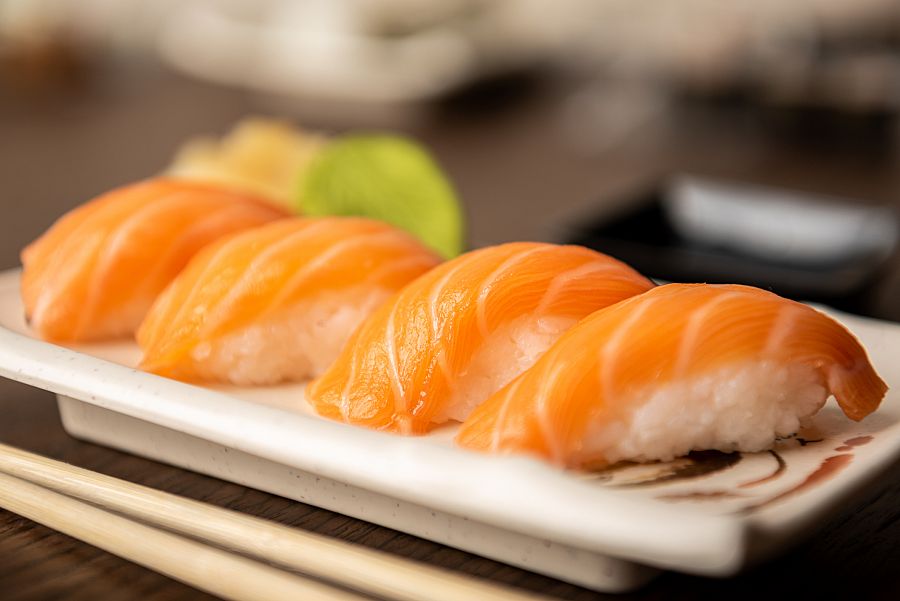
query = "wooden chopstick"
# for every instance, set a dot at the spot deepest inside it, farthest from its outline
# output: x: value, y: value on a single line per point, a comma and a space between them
x: 203, y: 567
x: 349, y: 565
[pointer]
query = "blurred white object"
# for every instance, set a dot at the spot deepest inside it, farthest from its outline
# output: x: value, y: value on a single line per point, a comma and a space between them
x: 122, y: 25
x: 707, y: 40
x: 601, y: 118
x: 358, y: 50
x: 777, y: 225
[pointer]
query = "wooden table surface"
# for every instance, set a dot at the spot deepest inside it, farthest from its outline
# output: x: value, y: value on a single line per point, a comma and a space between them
x: 519, y: 176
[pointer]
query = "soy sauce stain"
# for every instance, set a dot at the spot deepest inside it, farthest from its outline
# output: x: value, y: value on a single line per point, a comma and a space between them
x: 807, y: 435
x: 805, y: 441
x: 858, y: 441
x: 828, y: 468
x: 854, y: 442
x: 700, y: 495
x: 701, y: 463
x: 780, y: 466
x: 602, y: 472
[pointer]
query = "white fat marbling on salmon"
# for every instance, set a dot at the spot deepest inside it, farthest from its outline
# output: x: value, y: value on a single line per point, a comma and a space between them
x: 228, y: 303
x: 378, y: 239
x: 559, y: 283
x: 437, y: 324
x: 397, y: 266
x: 487, y: 286
x: 400, y: 400
x: 345, y: 392
x: 543, y: 411
x: 781, y: 329
x: 501, y: 425
x: 609, y: 350
x: 189, y: 303
x: 118, y: 241
x: 63, y: 278
x: 692, y: 331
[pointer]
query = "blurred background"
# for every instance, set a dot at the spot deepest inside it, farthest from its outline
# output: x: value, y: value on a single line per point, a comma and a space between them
x: 753, y: 142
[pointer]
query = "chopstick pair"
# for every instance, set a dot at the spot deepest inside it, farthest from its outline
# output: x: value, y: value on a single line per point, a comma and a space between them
x: 173, y: 536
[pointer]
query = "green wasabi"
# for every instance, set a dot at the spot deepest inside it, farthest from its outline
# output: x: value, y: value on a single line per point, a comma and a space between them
x: 385, y: 177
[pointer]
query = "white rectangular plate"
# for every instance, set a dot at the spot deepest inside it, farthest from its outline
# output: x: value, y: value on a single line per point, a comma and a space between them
x: 708, y: 514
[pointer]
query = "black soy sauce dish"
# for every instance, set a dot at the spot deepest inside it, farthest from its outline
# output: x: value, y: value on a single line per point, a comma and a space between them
x: 802, y: 246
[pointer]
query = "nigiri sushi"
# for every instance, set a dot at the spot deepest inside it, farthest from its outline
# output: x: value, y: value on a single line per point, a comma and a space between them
x: 683, y: 367
x: 277, y: 302
x: 463, y: 330
x: 94, y: 274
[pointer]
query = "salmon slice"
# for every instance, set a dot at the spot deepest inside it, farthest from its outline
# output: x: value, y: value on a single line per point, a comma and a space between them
x: 277, y: 302
x: 683, y: 367
x: 94, y: 274
x: 463, y: 330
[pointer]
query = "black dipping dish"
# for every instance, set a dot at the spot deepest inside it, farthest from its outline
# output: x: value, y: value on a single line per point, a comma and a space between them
x: 803, y: 246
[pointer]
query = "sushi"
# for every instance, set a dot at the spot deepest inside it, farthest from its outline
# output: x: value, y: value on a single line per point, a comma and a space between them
x: 277, y: 302
x: 457, y: 334
x: 94, y: 274
x: 682, y: 367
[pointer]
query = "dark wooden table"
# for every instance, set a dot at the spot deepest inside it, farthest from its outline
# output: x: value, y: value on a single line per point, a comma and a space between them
x: 519, y: 177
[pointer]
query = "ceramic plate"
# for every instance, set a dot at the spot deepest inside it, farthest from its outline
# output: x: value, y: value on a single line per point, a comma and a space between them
x: 710, y: 513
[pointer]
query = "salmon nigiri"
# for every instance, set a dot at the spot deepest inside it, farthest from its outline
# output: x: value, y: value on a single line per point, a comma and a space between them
x: 97, y: 270
x: 277, y: 302
x: 683, y: 367
x: 460, y: 332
